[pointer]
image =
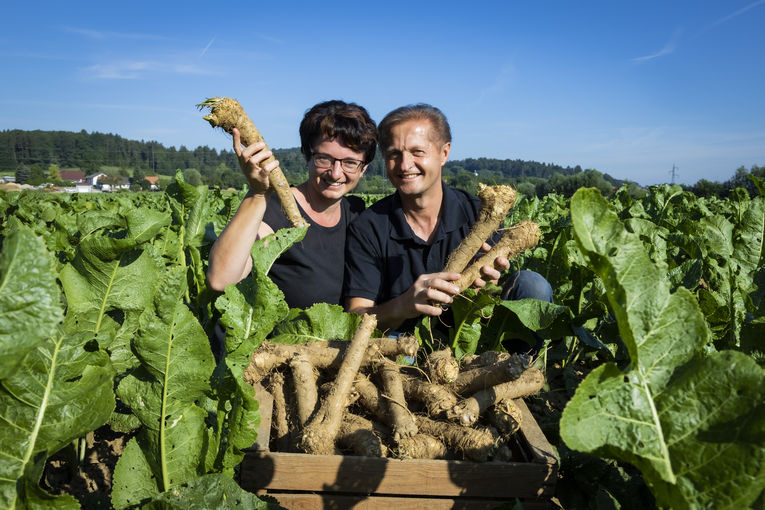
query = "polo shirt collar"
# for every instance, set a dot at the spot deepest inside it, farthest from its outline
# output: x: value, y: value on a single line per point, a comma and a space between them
x: 453, y: 216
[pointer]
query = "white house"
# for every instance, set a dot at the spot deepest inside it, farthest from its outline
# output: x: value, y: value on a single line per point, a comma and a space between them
x: 124, y: 184
x: 93, y: 178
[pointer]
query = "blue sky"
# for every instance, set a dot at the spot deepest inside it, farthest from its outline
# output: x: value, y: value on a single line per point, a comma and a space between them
x: 627, y: 88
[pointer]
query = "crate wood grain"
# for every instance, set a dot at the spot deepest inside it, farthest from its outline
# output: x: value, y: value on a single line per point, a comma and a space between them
x: 306, y: 501
x: 300, y: 481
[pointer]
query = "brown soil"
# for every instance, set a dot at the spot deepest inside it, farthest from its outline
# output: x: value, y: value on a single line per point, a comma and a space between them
x: 90, y: 481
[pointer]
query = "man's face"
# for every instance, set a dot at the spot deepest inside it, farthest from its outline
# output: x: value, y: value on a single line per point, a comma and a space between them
x: 334, y: 182
x: 414, y: 157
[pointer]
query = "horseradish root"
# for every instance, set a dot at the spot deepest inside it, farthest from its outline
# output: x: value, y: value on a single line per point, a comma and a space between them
x: 227, y: 113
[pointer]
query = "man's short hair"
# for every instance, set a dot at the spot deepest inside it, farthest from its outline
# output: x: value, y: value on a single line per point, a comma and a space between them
x: 415, y: 112
x: 349, y: 123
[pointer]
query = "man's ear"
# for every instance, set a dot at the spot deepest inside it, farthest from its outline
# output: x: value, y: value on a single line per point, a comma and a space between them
x: 447, y: 147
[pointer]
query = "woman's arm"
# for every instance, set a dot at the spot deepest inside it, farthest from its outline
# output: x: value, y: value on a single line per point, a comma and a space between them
x: 230, y: 260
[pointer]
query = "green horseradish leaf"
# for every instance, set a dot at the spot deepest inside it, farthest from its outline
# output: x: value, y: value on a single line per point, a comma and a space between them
x: 692, y: 423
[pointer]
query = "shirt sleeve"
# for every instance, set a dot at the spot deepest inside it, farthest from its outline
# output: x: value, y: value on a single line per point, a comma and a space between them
x: 363, y: 269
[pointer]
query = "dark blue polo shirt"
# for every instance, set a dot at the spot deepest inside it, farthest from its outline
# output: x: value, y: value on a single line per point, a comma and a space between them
x: 383, y: 256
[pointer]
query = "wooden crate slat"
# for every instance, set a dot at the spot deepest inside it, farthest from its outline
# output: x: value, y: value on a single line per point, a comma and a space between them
x: 367, y: 475
x: 333, y: 481
x: 541, y: 449
x: 307, y: 501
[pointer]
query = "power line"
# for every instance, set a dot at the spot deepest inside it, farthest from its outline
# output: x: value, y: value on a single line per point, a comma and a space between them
x: 673, y: 172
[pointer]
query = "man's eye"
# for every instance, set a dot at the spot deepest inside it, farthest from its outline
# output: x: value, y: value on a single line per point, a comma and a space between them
x: 418, y: 152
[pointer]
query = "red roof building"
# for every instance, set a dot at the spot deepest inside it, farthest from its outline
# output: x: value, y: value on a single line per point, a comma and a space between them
x: 72, y: 175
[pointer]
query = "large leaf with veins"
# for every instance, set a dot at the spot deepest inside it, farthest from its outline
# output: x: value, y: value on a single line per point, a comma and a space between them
x: 694, y: 424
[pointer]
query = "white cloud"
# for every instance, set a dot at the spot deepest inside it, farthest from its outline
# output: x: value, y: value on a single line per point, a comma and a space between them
x: 106, y: 34
x: 132, y: 70
x: 270, y: 39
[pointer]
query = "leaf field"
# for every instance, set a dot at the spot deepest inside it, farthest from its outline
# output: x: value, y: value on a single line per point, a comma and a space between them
x: 653, y: 350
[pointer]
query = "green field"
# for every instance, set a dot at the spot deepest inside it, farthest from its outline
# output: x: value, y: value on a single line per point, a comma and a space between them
x: 655, y: 393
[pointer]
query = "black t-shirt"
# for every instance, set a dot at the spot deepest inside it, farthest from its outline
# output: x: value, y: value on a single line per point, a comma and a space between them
x: 384, y: 257
x: 311, y: 271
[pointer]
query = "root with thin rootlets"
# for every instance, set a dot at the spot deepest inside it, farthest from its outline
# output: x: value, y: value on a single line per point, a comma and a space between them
x: 421, y: 446
x: 467, y: 412
x: 475, y: 444
x: 318, y: 436
x: 442, y: 366
x: 306, y: 391
x: 372, y: 406
x: 496, y: 201
x: 402, y: 420
x: 467, y: 259
x: 510, y: 368
x: 227, y: 113
x: 323, y: 355
x: 522, y: 236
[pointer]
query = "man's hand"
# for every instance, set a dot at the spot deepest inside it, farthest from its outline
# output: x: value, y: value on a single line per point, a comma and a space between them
x: 491, y: 273
x: 250, y: 159
x: 427, y: 294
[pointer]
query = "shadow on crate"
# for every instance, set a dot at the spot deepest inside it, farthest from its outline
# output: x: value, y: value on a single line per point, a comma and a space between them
x: 301, y: 481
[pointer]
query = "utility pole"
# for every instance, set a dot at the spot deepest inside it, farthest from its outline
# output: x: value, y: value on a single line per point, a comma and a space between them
x: 674, y: 172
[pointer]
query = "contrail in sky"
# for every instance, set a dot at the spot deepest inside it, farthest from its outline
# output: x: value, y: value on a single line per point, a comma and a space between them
x: 207, y: 47
x: 668, y: 48
x: 738, y: 12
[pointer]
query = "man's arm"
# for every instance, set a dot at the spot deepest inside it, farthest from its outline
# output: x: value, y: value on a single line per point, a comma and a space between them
x: 424, y: 297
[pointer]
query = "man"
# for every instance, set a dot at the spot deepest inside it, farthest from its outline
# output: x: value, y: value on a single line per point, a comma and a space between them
x: 338, y: 141
x: 396, y: 249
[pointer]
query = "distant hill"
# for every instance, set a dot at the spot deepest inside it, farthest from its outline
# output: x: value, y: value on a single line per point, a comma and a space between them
x: 91, y: 152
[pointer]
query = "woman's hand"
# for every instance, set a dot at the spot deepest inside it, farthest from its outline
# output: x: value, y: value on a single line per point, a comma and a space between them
x: 250, y: 159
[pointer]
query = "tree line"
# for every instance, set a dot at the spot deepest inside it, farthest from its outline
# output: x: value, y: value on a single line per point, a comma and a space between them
x: 37, y: 156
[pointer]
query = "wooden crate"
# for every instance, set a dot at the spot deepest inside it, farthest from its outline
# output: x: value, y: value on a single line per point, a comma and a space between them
x: 304, y: 482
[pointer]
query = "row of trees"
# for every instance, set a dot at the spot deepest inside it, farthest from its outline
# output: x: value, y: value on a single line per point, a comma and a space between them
x: 91, y: 151
x: 33, y: 153
x: 36, y: 157
x: 740, y: 179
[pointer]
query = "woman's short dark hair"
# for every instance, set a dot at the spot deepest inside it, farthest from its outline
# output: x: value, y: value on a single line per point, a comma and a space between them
x: 415, y: 112
x: 347, y: 122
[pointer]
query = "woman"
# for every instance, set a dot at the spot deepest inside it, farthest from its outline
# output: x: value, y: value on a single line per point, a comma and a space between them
x: 338, y: 140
